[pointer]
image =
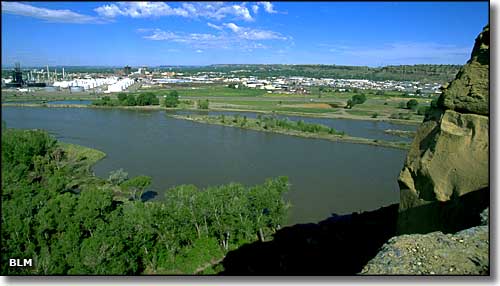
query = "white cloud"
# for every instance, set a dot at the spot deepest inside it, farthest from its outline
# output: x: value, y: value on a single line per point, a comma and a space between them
x: 194, y: 40
x: 255, y: 9
x: 140, y: 10
x: 217, y: 10
x: 254, y: 34
x: 214, y: 26
x: 268, y: 7
x: 233, y: 36
x: 199, y: 51
x: 233, y: 27
x: 59, y: 16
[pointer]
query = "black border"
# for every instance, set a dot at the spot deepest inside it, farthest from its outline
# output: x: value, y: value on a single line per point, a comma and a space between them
x: 293, y: 279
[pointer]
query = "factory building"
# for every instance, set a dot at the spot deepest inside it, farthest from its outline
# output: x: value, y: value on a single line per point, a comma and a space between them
x: 127, y: 70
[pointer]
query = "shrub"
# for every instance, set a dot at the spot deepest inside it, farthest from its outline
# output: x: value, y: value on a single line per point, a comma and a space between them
x: 403, y: 116
x: 118, y: 176
x: 359, y: 98
x: 203, y: 104
x: 356, y: 99
x: 412, y: 104
x: 172, y: 99
x: 122, y: 97
x: 130, y: 101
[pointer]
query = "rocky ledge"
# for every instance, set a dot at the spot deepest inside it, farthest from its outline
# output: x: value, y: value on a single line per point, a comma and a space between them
x: 463, y: 253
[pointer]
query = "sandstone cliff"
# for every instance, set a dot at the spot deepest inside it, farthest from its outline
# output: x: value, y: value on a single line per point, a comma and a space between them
x: 449, y: 156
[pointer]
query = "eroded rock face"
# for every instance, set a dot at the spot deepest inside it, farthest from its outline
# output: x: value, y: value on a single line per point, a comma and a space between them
x: 469, y: 92
x: 449, y: 156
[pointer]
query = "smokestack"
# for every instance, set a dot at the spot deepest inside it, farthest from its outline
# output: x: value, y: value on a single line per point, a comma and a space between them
x: 48, y: 73
x: 63, y: 74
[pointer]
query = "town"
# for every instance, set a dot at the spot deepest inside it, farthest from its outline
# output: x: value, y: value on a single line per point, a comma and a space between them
x: 120, y: 80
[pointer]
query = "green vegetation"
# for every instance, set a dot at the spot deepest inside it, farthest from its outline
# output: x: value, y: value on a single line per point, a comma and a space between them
x: 136, y: 185
x: 71, y: 222
x: 412, y: 104
x: 356, y: 99
x: 131, y: 99
x: 266, y: 123
x: 171, y: 99
x: 403, y: 116
x: 288, y: 127
x: 331, y: 104
x: 203, y: 104
x: 220, y: 91
x: 271, y: 122
x: 422, y: 110
x: 118, y: 176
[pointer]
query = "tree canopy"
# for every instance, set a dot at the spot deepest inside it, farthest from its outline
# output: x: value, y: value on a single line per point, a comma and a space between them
x: 71, y: 222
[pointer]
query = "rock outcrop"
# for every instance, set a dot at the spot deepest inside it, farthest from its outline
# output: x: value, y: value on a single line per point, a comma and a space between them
x: 462, y: 253
x: 449, y: 156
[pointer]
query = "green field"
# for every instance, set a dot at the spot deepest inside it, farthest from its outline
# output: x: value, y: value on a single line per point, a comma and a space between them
x: 326, y: 103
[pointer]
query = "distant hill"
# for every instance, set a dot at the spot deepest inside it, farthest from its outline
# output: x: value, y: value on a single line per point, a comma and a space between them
x: 424, y: 73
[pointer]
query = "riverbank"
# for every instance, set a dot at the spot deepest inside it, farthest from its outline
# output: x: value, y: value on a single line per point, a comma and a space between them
x: 157, y: 107
x: 253, y: 124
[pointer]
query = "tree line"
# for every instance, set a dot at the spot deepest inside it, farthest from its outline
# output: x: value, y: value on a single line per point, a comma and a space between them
x: 123, y: 99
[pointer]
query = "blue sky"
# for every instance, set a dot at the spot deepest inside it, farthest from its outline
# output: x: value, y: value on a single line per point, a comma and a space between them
x: 191, y: 33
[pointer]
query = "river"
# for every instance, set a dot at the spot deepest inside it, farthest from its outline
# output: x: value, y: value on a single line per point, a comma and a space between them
x: 326, y: 177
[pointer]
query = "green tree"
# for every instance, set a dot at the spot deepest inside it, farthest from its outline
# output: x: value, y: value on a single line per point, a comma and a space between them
x: 412, y: 104
x: 117, y: 176
x: 359, y: 98
x: 122, y: 97
x: 356, y: 99
x: 136, y: 186
x: 147, y: 98
x: 172, y: 99
x: 130, y: 100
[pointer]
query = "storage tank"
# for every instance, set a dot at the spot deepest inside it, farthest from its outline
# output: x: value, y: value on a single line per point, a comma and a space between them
x: 76, y: 88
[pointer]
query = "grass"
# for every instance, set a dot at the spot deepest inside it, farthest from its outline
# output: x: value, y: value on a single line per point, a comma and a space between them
x: 307, y: 110
x: 217, y: 90
x: 78, y: 153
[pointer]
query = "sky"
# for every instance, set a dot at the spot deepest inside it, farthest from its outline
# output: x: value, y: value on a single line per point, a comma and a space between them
x: 204, y: 33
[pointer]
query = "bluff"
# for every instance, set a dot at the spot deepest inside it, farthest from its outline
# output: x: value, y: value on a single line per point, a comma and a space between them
x: 444, y: 184
x: 449, y: 156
